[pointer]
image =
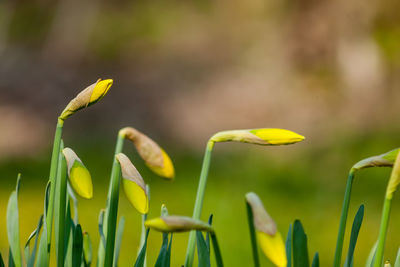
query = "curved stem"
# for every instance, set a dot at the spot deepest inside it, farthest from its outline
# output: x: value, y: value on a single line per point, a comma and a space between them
x: 199, y: 202
x: 52, y: 179
x: 382, y: 232
x: 343, y: 219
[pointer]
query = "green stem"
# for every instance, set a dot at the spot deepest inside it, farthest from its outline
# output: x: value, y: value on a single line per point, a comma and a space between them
x: 343, y: 219
x: 252, y: 235
x: 52, y: 179
x: 382, y: 232
x: 61, y: 212
x: 217, y: 251
x: 112, y: 206
x: 199, y: 202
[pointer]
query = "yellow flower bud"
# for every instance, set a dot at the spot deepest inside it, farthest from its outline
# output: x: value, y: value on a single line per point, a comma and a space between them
x: 78, y: 174
x: 387, y: 264
x: 134, y: 185
x: 153, y: 155
x: 269, y: 238
x: 90, y: 95
x: 175, y: 223
x: 394, y: 180
x: 384, y: 160
x: 264, y: 136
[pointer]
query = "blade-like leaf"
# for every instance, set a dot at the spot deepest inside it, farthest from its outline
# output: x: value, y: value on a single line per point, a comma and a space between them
x: 300, y: 250
x: 397, y: 262
x: 208, y: 234
x: 118, y: 240
x: 42, y: 259
x: 289, y: 246
x: 168, y: 258
x: 13, y: 226
x: 30, y: 257
x: 87, y: 250
x: 77, y: 246
x: 354, y: 235
x: 202, y: 251
x: 371, y: 256
x: 10, y: 259
x: 69, y: 236
x: 217, y: 251
x: 1, y: 261
x: 142, y: 255
x: 101, y: 229
x: 315, y: 262
x: 162, y: 256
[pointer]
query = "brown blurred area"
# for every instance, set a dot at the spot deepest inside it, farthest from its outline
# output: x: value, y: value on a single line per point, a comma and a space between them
x: 188, y: 69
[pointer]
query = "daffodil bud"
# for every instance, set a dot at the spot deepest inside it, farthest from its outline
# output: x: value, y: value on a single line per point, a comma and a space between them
x: 134, y: 186
x: 87, y: 97
x: 79, y: 176
x: 387, y: 264
x: 177, y: 224
x: 384, y: 160
x: 263, y: 136
x: 394, y: 180
x: 153, y: 155
x: 269, y: 238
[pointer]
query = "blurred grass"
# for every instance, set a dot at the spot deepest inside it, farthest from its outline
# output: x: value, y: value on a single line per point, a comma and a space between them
x: 304, y: 181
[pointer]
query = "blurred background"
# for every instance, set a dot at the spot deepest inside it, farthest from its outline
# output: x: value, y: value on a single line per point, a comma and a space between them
x: 184, y: 70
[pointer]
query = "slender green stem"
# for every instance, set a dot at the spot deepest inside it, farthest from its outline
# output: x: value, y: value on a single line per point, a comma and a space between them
x: 217, y: 251
x: 112, y: 206
x: 199, y: 202
x: 52, y: 179
x: 252, y: 235
x: 382, y: 232
x: 61, y: 212
x: 343, y: 219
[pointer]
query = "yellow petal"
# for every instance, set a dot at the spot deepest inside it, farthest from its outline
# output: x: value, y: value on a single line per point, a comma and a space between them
x: 157, y: 224
x: 81, y: 180
x: 273, y: 248
x: 100, y: 90
x: 275, y: 136
x: 167, y: 170
x: 136, y: 195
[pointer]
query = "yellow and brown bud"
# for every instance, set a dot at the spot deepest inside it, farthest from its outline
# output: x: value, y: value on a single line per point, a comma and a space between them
x: 90, y: 95
x: 153, y: 155
x: 269, y: 238
x: 134, y: 185
x: 79, y: 176
x: 175, y: 223
x: 263, y: 136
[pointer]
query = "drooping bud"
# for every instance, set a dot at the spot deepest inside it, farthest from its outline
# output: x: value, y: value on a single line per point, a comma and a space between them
x: 78, y: 174
x: 263, y: 136
x: 175, y: 223
x: 394, y: 180
x: 384, y: 160
x: 134, y: 185
x: 269, y: 238
x: 153, y: 155
x: 90, y: 95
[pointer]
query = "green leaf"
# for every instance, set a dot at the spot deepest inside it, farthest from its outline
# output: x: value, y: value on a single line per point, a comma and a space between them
x: 208, y: 234
x: 300, y: 250
x: 371, y: 255
x: 77, y: 246
x: 30, y: 257
x: 69, y: 231
x: 354, y: 235
x: 168, y: 260
x: 162, y: 256
x: 13, y: 226
x: 397, y: 262
x: 10, y: 259
x: 217, y: 251
x: 101, y: 229
x: 1, y: 261
x: 315, y: 262
x: 87, y: 250
x: 142, y: 255
x: 118, y: 240
x: 42, y: 259
x: 202, y: 251
x: 289, y: 246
